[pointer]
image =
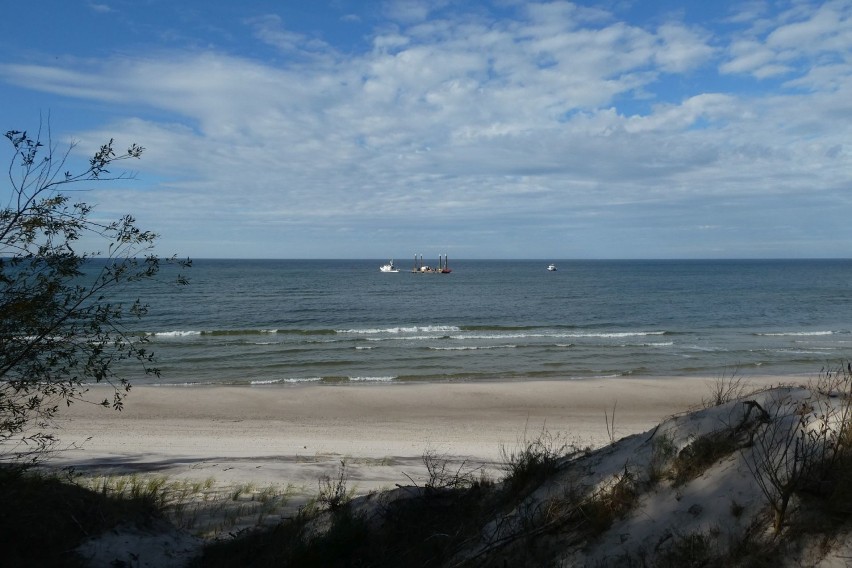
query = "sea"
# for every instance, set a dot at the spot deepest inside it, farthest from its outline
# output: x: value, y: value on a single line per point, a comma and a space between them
x: 304, y: 322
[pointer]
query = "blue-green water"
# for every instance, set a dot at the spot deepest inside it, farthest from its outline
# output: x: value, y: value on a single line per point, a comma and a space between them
x: 297, y: 321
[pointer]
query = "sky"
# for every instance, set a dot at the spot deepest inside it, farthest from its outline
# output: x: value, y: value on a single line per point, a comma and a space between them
x: 477, y: 129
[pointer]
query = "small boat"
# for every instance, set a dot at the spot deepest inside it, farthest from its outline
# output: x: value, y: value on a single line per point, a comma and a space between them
x: 551, y: 267
x: 389, y: 267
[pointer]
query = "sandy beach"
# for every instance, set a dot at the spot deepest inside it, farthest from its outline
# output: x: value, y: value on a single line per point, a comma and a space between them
x: 294, y: 435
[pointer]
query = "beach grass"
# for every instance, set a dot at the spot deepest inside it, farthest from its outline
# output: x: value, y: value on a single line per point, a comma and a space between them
x: 203, y: 507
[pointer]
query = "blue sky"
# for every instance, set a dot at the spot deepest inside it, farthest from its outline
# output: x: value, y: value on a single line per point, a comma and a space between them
x: 502, y: 129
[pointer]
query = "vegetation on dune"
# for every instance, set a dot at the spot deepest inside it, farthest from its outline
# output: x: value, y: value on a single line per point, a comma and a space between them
x: 531, y: 519
x: 555, y: 500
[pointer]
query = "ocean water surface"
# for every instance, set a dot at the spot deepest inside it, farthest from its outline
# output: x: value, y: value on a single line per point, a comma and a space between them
x: 285, y: 322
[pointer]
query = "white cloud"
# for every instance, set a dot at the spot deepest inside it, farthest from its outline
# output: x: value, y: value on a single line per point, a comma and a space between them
x: 465, y: 124
x: 749, y: 56
x: 828, y: 28
x: 100, y: 8
x: 682, y: 116
x: 683, y: 49
x: 411, y: 11
x: 797, y: 41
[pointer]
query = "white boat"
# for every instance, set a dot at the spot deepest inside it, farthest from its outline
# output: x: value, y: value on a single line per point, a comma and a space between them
x: 551, y: 267
x: 389, y: 267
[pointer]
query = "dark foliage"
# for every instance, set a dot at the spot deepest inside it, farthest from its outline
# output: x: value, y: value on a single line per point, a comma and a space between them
x: 44, y: 518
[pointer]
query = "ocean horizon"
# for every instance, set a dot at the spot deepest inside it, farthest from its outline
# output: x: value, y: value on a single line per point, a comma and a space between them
x: 333, y: 321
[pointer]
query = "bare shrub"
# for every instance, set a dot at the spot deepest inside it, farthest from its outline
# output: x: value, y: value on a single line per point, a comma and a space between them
x: 610, y: 423
x: 333, y: 493
x: 832, y: 382
x: 442, y: 474
x: 778, y: 458
x: 801, y: 444
x: 534, y: 459
x: 725, y: 388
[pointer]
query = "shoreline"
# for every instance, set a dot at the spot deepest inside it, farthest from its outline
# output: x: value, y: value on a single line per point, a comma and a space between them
x: 294, y: 435
x: 405, y: 382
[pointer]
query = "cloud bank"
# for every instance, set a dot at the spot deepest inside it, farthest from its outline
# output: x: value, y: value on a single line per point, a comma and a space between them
x: 532, y: 130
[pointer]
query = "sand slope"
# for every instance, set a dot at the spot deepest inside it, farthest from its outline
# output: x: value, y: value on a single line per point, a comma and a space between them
x: 294, y: 435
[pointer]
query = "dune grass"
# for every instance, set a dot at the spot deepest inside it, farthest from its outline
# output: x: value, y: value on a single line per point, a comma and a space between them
x: 202, y: 507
